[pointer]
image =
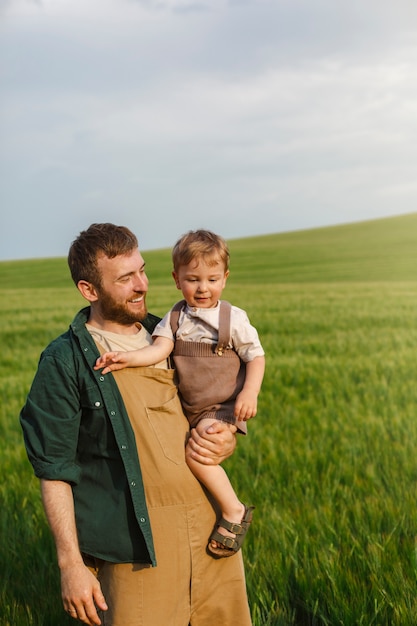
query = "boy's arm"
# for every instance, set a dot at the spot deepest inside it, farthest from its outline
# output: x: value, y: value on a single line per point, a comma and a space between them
x: 247, y: 399
x: 159, y: 350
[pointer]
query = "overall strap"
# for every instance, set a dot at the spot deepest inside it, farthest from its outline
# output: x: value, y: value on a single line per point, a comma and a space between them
x: 175, y: 316
x: 224, y: 323
x: 224, y: 327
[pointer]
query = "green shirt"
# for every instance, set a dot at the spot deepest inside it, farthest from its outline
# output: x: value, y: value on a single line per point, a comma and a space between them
x: 77, y: 430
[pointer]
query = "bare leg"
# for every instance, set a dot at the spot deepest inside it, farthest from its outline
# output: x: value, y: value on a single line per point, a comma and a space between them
x: 215, y: 479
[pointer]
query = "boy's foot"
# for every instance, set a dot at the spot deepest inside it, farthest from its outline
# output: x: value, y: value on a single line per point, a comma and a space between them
x: 221, y: 545
x: 233, y: 515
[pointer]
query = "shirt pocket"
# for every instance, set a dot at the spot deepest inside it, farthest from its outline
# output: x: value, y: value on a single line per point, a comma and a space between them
x: 95, y: 427
x: 171, y: 428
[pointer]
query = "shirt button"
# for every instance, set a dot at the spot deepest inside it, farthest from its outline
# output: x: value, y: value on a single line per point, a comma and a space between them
x: 97, y: 403
x: 133, y: 483
x: 112, y: 412
x: 143, y: 520
x: 102, y: 378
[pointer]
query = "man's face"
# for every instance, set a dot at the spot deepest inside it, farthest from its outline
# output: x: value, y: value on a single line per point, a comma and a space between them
x: 124, y: 284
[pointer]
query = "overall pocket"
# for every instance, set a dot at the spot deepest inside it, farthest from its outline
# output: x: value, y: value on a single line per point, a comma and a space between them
x: 171, y: 428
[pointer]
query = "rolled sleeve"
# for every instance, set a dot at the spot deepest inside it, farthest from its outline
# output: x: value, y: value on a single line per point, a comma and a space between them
x: 50, y: 421
x: 245, y: 337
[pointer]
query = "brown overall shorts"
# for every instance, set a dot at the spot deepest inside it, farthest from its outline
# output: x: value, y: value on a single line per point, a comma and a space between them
x: 211, y: 375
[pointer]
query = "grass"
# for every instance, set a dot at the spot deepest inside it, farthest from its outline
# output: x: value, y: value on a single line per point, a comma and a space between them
x: 330, y: 459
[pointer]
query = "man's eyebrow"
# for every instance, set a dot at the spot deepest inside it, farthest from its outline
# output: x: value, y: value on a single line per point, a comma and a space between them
x: 125, y: 275
x: 142, y: 267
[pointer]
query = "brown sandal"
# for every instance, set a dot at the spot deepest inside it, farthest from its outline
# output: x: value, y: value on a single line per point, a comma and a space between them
x: 231, y: 544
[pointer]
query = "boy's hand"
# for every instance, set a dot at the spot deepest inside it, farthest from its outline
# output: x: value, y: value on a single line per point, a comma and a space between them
x: 111, y: 361
x: 246, y: 405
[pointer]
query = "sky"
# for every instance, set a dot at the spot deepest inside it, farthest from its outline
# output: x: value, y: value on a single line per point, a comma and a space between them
x: 246, y: 117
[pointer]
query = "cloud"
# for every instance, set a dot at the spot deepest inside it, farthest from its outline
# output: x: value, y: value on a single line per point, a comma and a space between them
x: 252, y: 116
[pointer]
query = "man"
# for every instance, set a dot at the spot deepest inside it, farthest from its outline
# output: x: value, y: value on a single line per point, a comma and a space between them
x: 129, y: 520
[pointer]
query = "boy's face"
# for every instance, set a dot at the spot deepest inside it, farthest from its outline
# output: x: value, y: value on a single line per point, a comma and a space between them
x: 201, y: 283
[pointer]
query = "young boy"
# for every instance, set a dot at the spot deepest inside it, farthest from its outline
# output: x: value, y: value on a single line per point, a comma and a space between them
x: 220, y: 364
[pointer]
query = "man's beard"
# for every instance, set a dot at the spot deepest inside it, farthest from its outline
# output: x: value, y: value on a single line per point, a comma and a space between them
x: 113, y: 311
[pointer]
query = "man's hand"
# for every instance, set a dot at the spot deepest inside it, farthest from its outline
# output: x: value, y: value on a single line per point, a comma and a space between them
x: 81, y: 594
x: 213, y: 445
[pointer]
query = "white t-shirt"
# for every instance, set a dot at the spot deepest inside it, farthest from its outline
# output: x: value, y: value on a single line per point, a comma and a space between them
x: 202, y: 325
x: 114, y: 342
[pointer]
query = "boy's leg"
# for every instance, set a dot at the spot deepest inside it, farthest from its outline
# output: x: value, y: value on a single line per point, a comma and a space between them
x: 216, y: 481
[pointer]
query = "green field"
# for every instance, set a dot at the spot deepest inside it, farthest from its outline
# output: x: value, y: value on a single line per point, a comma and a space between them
x: 330, y: 461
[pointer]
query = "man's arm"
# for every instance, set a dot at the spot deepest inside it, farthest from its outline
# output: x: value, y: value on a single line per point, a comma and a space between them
x: 80, y: 590
x: 212, y: 447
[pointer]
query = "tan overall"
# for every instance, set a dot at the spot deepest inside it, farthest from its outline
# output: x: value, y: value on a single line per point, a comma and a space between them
x: 188, y: 586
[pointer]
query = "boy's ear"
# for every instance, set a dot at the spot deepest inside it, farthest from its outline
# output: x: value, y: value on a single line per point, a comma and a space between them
x: 175, y: 277
x: 87, y: 290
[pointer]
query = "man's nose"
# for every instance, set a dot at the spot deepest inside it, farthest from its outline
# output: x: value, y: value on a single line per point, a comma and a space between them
x: 140, y: 282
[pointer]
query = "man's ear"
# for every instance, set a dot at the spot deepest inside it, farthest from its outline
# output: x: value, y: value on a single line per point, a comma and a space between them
x: 87, y: 290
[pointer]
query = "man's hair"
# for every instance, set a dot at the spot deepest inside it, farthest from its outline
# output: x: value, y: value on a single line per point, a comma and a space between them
x: 98, y: 239
x: 200, y: 243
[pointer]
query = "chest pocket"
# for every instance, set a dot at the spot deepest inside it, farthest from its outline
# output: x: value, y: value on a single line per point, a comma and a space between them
x: 155, y: 412
x: 96, y: 435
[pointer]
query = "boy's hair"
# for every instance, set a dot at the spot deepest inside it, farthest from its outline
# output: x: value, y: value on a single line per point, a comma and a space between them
x: 200, y: 243
x: 106, y: 239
